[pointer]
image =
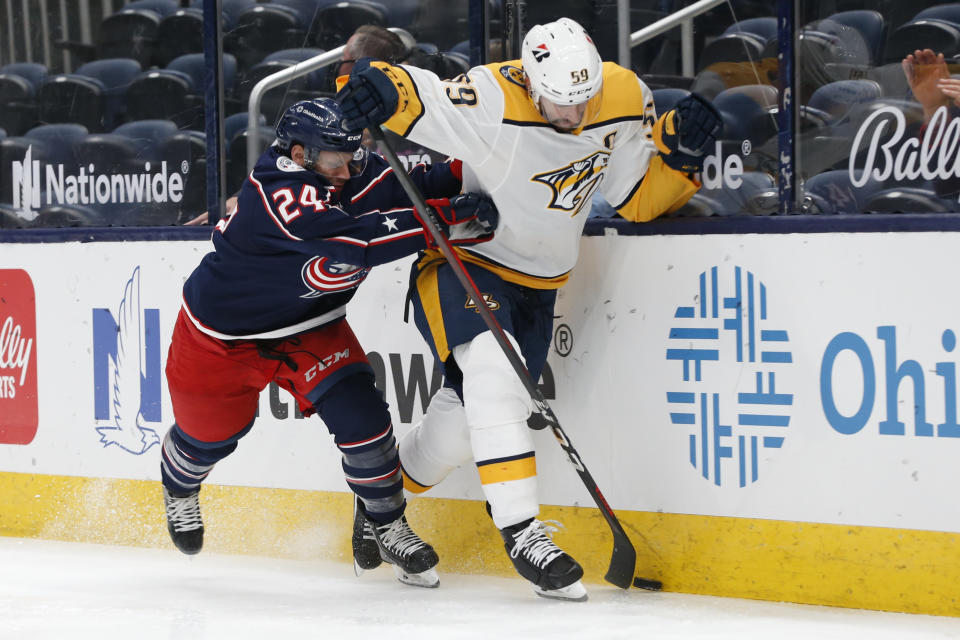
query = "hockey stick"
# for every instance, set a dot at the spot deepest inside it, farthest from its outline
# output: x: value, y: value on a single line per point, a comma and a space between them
x: 624, y: 559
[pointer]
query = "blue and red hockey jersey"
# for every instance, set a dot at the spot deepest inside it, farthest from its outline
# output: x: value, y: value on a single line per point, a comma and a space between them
x: 296, y: 249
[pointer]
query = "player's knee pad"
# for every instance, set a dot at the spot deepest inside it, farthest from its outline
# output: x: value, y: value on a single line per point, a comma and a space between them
x: 437, y: 444
x: 492, y: 391
x: 354, y: 409
x: 512, y: 441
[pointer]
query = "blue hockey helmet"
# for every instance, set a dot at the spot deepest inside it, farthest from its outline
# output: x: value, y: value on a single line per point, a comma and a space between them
x: 316, y: 125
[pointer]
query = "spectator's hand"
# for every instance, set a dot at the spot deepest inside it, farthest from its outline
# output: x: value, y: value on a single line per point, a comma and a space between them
x: 368, y: 98
x: 687, y: 133
x: 468, y: 218
x: 204, y: 218
x: 201, y: 219
x: 925, y: 70
x: 951, y: 89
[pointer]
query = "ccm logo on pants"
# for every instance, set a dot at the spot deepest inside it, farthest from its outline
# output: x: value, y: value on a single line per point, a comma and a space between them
x: 328, y: 361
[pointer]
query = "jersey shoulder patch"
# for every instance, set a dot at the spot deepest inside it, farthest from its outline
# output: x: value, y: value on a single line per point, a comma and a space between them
x: 518, y: 108
x: 286, y: 164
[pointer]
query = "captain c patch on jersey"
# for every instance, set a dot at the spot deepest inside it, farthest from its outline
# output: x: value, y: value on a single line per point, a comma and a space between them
x: 574, y: 184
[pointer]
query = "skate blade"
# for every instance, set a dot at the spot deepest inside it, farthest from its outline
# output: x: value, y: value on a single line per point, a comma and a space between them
x: 575, y: 592
x: 359, y: 569
x: 428, y: 579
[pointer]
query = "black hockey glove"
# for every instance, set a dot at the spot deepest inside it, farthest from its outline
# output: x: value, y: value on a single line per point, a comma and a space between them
x: 368, y: 98
x: 687, y: 133
x: 468, y: 218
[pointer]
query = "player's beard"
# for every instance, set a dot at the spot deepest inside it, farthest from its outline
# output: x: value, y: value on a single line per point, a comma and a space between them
x: 564, y: 125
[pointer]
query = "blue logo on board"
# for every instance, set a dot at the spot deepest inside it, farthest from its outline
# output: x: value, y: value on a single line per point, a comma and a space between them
x: 126, y: 372
x: 729, y: 323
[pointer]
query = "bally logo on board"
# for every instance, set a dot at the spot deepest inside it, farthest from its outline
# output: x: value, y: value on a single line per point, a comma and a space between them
x: 18, y: 358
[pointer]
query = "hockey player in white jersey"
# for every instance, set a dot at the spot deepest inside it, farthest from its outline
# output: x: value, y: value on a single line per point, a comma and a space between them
x: 540, y: 136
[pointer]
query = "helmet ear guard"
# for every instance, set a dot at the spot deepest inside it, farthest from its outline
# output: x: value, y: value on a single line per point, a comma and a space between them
x: 561, y: 63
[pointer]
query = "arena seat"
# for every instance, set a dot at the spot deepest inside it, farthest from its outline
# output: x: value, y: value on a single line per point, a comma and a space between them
x: 189, y: 147
x: 333, y: 25
x: 872, y: 27
x: 194, y: 65
x: 237, y: 122
x: 62, y: 215
x: 946, y: 12
x: 315, y: 79
x: 698, y: 206
x: 73, y: 98
x: 167, y: 94
x: 92, y: 96
x: 443, y: 22
x: 237, y: 156
x: 818, y: 52
x: 149, y: 137
x: 443, y: 63
x: 666, y: 81
x: 19, y: 82
x: 61, y: 137
x: 179, y: 34
x: 749, y: 113
x: 849, y: 44
x: 734, y: 47
x: 130, y: 32
x: 9, y: 219
x: 18, y: 109
x: 112, y: 153
x: 832, y: 102
x: 263, y: 29
x: 666, y: 99
x: 109, y: 153
x: 832, y: 192
x: 909, y: 200
x: 160, y: 7
x: 231, y: 10
x: 277, y: 99
x: 943, y: 37
x: 764, y: 28
x: 34, y: 72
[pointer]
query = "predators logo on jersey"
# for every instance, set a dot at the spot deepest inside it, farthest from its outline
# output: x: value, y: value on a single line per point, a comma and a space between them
x: 574, y: 184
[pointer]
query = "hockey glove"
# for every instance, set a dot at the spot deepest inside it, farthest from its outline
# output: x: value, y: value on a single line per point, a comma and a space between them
x: 468, y: 218
x: 368, y: 98
x: 685, y: 134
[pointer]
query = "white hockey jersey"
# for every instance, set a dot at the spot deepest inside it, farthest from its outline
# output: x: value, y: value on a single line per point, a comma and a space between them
x: 541, y: 180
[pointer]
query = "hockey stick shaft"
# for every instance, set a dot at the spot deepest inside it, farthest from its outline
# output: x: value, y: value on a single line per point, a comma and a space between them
x: 624, y: 558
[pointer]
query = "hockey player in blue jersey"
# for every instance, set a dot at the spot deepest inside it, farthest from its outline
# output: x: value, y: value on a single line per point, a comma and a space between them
x: 268, y: 304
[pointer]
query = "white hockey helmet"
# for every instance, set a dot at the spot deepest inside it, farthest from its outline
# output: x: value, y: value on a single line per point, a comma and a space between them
x: 561, y: 62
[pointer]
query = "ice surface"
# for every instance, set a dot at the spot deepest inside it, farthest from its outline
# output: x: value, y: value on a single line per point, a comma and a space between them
x: 71, y: 591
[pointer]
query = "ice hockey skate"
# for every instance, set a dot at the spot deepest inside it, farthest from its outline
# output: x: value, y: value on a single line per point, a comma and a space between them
x: 183, y: 520
x: 366, y: 551
x: 413, y: 559
x: 553, y: 573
